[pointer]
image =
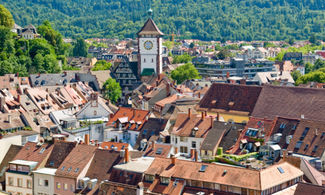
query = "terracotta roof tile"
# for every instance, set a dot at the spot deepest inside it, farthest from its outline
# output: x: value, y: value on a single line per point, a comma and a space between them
x: 112, y: 145
x: 76, y: 161
x: 228, y: 97
x: 61, y: 150
x: 34, y: 152
x: 158, y: 150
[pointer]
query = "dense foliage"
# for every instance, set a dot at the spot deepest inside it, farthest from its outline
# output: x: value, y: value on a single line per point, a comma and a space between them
x: 185, y: 72
x: 182, y: 59
x: 201, y: 19
x: 102, y: 65
x: 40, y: 55
x: 6, y: 18
x: 112, y: 90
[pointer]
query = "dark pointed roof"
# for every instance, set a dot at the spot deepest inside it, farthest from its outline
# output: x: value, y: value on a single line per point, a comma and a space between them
x: 150, y: 28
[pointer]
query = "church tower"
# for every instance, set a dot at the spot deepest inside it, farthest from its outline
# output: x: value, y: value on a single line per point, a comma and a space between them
x: 150, y: 48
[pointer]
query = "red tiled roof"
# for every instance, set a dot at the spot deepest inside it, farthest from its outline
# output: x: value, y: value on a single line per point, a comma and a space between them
x: 76, y: 161
x: 226, y: 97
x: 159, y: 150
x: 184, y: 125
x: 314, y: 137
x: 111, y: 145
x: 34, y: 152
x: 136, y: 116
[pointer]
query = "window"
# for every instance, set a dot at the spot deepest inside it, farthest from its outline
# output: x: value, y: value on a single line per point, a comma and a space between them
x: 11, y: 181
x: 159, y: 151
x: 76, y: 170
x: 58, y: 185
x: 280, y: 170
x: 304, y: 133
x: 65, y: 186
x: 95, y: 112
x: 42, y: 150
x: 29, y: 183
x: 193, y: 144
x: 282, y: 126
x: 152, y: 60
x: 40, y: 182
x: 46, y: 182
x: 20, y: 182
x: 298, y: 144
x: 149, y: 178
x: 69, y: 169
x: 72, y: 188
x: 315, y: 148
x: 175, y: 140
x: 62, y: 169
x: 51, y: 163
x: 294, y: 127
x: 323, y: 134
x: 183, y: 149
x: 203, y: 168
x: 164, y: 180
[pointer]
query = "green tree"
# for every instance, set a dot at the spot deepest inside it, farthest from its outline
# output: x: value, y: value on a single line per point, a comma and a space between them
x: 5, y: 67
x: 308, y: 67
x: 6, y: 18
x: 182, y: 59
x: 112, y: 90
x: 291, y: 41
x: 102, y: 65
x: 38, y: 63
x: 316, y: 76
x: 295, y: 75
x: 313, y: 39
x: 185, y: 72
x: 80, y: 48
x: 223, y: 54
x: 319, y: 64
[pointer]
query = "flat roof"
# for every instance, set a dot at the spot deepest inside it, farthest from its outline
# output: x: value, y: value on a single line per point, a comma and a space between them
x: 24, y: 162
x: 139, y: 165
x: 46, y: 171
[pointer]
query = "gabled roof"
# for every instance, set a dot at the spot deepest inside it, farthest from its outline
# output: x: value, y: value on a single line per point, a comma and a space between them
x: 230, y: 97
x: 290, y: 102
x: 313, y: 174
x: 184, y: 125
x: 112, y: 145
x: 76, y: 161
x: 225, y: 174
x: 61, y: 150
x: 34, y: 152
x: 306, y: 188
x: 101, y: 166
x: 311, y: 135
x: 11, y: 153
x: 158, y: 150
x: 150, y: 28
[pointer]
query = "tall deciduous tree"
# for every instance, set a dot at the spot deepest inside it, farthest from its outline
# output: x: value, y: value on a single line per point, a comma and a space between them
x: 185, y: 72
x: 80, y: 48
x: 6, y: 18
x: 112, y: 90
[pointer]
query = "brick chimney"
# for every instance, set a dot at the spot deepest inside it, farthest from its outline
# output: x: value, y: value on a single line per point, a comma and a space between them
x: 175, y: 150
x: 211, y: 122
x: 189, y: 113
x: 199, y: 95
x: 228, y: 74
x: 173, y: 159
x: 205, y: 113
x: 218, y: 116
x: 196, y: 155
x: 87, y: 139
x: 192, y: 153
x: 202, y: 116
x: 126, y: 155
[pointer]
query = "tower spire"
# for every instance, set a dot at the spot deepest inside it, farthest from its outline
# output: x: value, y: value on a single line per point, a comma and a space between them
x: 150, y: 12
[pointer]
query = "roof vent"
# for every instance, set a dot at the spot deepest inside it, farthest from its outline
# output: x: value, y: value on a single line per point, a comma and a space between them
x: 224, y: 172
x: 203, y: 168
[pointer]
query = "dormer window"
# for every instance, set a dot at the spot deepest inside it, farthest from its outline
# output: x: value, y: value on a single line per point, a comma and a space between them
x: 149, y: 178
x: 164, y: 180
x: 194, y: 130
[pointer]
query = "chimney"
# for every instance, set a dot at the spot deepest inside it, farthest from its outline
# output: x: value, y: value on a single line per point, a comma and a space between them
x: 199, y: 95
x: 9, y: 118
x: 189, y: 113
x: 87, y: 139
x: 192, y: 153
x: 96, y: 143
x: 243, y: 81
x: 39, y: 74
x: 211, y: 122
x: 167, y: 90
x: 65, y: 73
x: 126, y: 155
x: 173, y: 159
x: 202, y: 115
x: 205, y: 113
x: 228, y: 75
x: 175, y: 150
x: 196, y: 155
x: 218, y: 116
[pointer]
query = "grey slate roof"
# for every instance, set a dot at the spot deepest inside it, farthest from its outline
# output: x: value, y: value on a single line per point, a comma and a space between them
x: 52, y: 79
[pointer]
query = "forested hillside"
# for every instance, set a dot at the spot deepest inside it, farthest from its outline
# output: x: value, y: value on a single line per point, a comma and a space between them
x: 202, y: 19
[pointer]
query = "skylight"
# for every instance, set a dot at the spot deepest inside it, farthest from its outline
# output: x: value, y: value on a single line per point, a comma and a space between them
x: 280, y: 170
x: 304, y: 133
x: 76, y: 170
x: 62, y: 169
x: 42, y: 150
x: 203, y: 168
x: 69, y: 169
x: 159, y: 151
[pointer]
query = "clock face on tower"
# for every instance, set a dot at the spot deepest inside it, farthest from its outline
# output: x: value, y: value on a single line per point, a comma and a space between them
x: 148, y: 45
